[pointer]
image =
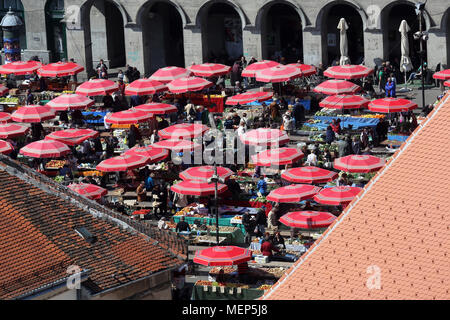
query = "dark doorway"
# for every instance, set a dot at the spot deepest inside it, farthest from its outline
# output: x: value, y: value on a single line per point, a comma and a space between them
x: 331, y: 36
x: 282, y: 34
x: 221, y: 34
x: 107, y: 33
x: 392, y: 19
x: 163, y: 37
x: 56, y: 30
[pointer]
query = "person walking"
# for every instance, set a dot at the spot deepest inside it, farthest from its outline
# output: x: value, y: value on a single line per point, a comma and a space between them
x: 102, y: 70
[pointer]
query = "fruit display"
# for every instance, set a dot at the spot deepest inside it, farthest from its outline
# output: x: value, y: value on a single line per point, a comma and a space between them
x: 55, y: 164
x: 59, y: 179
x: 226, y: 270
x: 265, y: 287
x: 259, y: 199
x: 317, y: 138
x: 222, y: 229
x: 9, y: 100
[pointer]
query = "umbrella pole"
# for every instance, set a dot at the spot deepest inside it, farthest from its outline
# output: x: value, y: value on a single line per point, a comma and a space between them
x: 215, y: 203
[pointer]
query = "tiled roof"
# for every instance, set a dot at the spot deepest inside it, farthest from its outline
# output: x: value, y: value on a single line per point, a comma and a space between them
x: 393, y: 241
x: 37, y: 237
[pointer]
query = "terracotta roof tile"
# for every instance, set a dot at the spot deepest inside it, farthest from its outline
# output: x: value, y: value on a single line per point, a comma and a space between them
x: 37, y: 236
x: 397, y: 229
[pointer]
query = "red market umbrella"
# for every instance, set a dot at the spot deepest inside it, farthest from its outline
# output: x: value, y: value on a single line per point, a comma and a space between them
x: 309, y: 175
x: 279, y: 73
x: 154, y: 154
x: 359, y: 163
x: 97, y: 87
x: 251, y: 70
x: 123, y: 163
x: 337, y: 195
x: 157, y: 108
x: 391, y: 105
x: 60, y: 69
x: 209, y: 69
x: 33, y: 114
x: 20, y: 67
x: 176, y: 145
x: 281, y: 156
x: 130, y: 116
x: 183, y: 130
x: 169, y: 74
x: 142, y: 87
x: 205, y: 172
x: 308, y: 219
x: 305, y: 69
x: 12, y: 130
x: 198, y: 188
x: 3, y: 90
x: 333, y: 87
x: 348, y: 72
x: 67, y: 102
x: 442, y: 75
x: 89, y: 191
x: 249, y: 97
x: 5, y: 117
x: 188, y: 84
x: 293, y: 193
x: 5, y: 147
x: 45, y: 149
x: 222, y: 256
x: 447, y: 83
x: 73, y: 137
x: 265, y: 137
x: 344, y: 102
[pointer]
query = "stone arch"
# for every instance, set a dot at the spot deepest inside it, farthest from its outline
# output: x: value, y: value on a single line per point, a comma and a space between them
x: 270, y: 3
x: 147, y: 5
x: 203, y: 9
x: 351, y: 3
x: 385, y: 10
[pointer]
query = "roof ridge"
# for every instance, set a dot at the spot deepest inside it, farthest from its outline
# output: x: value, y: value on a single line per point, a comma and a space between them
x: 348, y: 210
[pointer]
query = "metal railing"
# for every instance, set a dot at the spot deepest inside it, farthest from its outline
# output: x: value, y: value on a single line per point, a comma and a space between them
x: 166, y: 239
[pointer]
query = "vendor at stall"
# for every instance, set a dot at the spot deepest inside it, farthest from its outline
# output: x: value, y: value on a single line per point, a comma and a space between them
x: 141, y: 192
x: 182, y: 226
x: 267, y: 248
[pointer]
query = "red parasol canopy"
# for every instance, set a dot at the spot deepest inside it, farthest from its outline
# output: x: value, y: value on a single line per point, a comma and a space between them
x: 337, y: 195
x: 222, y: 256
x: 157, y: 108
x: 33, y: 114
x: 5, y: 117
x: 73, y: 137
x: 123, y: 163
x: 309, y: 175
x: 342, y: 102
x: 169, y: 74
x: 447, y: 83
x: 183, y: 131
x: 5, y: 147
x: 209, y: 69
x: 333, y: 87
x: 20, y: 68
x: 97, y: 87
x: 154, y: 154
x: 12, y: 130
x: 60, y: 69
x: 188, y: 84
x: 308, y: 219
x: 359, y: 163
x: 305, y: 69
x: 130, y: 116
x: 293, y: 193
x: 205, y: 172
x: 348, y: 72
x: 45, y: 149
x: 279, y: 73
x: 70, y: 102
x: 89, y: 191
x: 177, y: 145
x: 142, y: 87
x: 252, y: 69
x: 390, y: 105
x: 442, y: 75
x: 198, y: 188
x: 277, y: 157
x: 249, y: 97
x: 265, y: 137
